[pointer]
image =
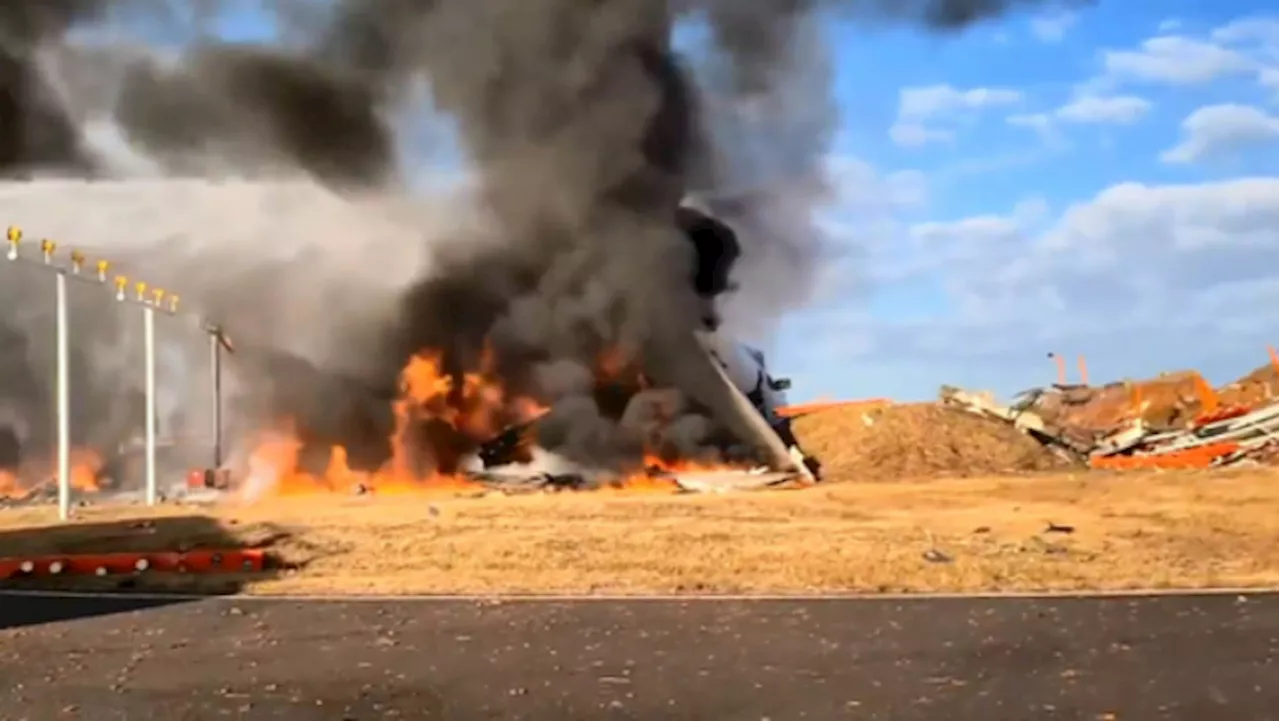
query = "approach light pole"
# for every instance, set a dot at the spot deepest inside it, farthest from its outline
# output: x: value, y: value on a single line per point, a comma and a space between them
x: 156, y: 301
x: 218, y: 343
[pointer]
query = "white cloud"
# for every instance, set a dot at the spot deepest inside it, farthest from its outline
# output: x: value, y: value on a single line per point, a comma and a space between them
x: 988, y: 226
x: 1269, y: 78
x: 1053, y: 27
x: 865, y: 215
x: 924, y: 102
x: 1030, y: 211
x: 1125, y: 277
x: 1244, y: 46
x: 1259, y: 37
x: 908, y: 189
x: 1116, y: 109
x: 918, y: 106
x: 1217, y: 130
x: 1256, y: 30
x: 1177, y: 60
x: 913, y: 134
x: 1084, y: 110
x: 1042, y: 124
x: 946, y: 244
x: 1035, y: 121
x: 1131, y: 218
x: 859, y: 187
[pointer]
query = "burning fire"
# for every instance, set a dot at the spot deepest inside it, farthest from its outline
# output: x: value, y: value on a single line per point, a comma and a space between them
x: 9, y: 485
x: 431, y: 401
x: 85, y: 465
x: 438, y: 417
x: 19, y: 483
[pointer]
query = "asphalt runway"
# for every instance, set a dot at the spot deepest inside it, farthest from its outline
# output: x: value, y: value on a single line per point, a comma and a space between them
x: 1121, y: 659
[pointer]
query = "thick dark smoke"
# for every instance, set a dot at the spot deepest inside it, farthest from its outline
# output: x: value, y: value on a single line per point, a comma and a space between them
x: 584, y: 130
x: 34, y: 132
x: 258, y: 108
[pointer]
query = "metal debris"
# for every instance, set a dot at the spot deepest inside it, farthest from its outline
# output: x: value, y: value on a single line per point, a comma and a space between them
x: 730, y: 480
x: 531, y: 482
x: 1217, y: 437
x: 933, y: 555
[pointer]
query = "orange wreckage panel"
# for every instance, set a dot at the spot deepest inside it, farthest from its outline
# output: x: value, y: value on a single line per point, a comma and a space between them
x: 1199, y: 457
x: 802, y: 409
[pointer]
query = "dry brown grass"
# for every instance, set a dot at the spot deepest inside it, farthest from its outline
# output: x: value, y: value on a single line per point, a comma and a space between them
x: 1177, y: 529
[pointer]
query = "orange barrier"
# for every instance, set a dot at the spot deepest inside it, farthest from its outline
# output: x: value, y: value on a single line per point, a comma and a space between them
x: 1221, y: 414
x: 802, y: 409
x: 236, y: 560
x: 1199, y: 457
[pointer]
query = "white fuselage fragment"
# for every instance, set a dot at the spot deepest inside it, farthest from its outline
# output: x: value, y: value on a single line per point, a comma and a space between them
x: 746, y: 368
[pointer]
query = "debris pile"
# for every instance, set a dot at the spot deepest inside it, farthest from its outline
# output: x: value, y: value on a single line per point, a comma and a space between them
x: 1254, y: 390
x: 1169, y: 401
x: 1174, y: 421
x: 898, y: 442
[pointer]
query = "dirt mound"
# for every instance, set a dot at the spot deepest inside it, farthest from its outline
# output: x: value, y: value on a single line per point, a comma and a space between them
x: 1256, y: 389
x: 916, y: 441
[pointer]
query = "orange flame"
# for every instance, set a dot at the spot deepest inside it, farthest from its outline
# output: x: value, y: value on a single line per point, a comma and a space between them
x: 615, y: 366
x: 474, y: 409
x: 459, y: 410
x: 85, y: 465
x: 9, y: 485
x: 652, y: 479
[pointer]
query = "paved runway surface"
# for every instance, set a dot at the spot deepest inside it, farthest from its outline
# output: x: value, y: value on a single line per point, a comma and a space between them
x: 1129, y: 659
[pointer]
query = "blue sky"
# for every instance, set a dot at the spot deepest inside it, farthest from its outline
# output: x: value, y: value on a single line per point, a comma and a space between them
x: 1100, y: 182
x: 1003, y: 154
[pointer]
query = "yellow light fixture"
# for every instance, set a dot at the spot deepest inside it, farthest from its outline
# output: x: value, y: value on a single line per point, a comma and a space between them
x: 15, y: 237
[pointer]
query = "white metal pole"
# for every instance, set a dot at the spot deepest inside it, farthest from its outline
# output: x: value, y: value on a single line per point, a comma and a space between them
x: 63, y: 398
x: 149, y: 361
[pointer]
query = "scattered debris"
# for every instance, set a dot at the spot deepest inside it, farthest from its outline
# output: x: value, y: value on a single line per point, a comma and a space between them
x: 530, y: 482
x: 699, y: 481
x: 46, y: 494
x: 1173, y: 421
x: 730, y: 480
x: 933, y: 555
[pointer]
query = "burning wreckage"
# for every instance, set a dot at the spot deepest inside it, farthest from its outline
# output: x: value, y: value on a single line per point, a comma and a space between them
x: 464, y: 428
x: 743, y: 388
x: 731, y: 385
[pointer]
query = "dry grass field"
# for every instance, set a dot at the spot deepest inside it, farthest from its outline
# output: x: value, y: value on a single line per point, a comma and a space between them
x: 985, y: 533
